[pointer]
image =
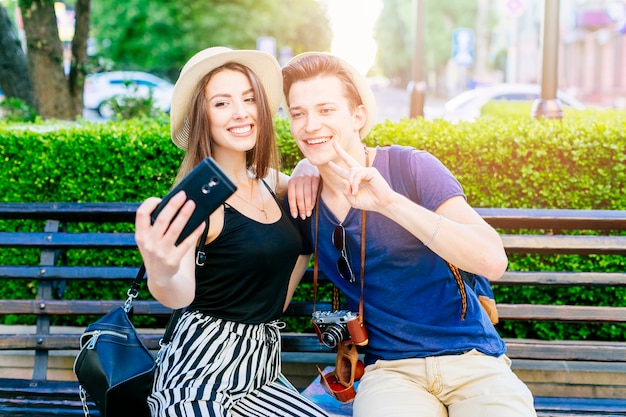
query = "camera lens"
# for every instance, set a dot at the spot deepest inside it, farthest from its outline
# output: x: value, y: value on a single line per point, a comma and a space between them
x: 333, y: 335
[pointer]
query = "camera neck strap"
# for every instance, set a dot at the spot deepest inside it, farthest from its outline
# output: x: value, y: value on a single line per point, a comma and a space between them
x: 335, y: 301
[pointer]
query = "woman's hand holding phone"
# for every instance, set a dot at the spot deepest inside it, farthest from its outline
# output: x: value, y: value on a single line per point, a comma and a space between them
x: 170, y: 267
x: 167, y: 230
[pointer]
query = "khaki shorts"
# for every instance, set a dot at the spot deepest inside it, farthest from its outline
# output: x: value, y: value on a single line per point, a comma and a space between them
x: 467, y: 385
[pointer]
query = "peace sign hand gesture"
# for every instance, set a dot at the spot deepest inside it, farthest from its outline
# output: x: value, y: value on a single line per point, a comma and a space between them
x: 364, y: 187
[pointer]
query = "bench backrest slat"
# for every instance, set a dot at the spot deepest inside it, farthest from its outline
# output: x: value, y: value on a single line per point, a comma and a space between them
x: 69, y: 272
x: 563, y: 244
x: 71, y: 212
x: 60, y: 240
x: 566, y: 279
x: 79, y: 307
x: 550, y: 219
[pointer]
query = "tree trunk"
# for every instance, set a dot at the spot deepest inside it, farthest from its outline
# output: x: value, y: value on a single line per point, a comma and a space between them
x: 14, y: 80
x: 79, y: 54
x: 45, y: 61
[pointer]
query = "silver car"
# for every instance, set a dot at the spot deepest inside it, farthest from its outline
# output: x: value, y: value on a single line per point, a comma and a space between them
x: 103, y: 86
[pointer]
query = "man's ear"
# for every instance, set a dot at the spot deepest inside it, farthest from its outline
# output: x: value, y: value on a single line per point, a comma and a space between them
x: 360, y: 117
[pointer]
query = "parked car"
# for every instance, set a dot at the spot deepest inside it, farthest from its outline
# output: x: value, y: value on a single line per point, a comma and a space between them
x: 467, y: 105
x: 105, y: 85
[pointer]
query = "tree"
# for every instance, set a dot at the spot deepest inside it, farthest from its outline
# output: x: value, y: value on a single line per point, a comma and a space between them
x: 394, y: 33
x: 159, y: 36
x: 14, y: 79
x: 58, y: 96
x: 301, y: 25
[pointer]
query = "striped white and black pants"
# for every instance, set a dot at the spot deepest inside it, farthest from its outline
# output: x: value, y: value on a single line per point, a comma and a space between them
x: 220, y: 368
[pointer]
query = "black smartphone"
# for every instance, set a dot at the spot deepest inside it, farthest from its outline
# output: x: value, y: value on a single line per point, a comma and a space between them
x: 207, y: 186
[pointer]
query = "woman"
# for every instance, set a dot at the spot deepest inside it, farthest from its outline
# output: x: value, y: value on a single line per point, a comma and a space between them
x: 224, y: 358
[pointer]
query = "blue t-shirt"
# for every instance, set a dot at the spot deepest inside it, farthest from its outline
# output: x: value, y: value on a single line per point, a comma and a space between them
x: 412, y: 304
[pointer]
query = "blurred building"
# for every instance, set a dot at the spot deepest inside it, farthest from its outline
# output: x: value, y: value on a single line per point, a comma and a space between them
x: 592, y: 55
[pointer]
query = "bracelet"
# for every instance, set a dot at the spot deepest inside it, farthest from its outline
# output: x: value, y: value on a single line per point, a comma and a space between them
x: 434, y: 231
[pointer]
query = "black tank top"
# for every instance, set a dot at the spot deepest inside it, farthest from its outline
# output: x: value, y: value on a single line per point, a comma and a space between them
x: 247, y: 269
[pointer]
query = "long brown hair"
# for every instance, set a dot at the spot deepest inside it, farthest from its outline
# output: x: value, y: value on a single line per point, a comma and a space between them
x: 260, y: 159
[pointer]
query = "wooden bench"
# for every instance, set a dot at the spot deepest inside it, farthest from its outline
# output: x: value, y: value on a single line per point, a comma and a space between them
x: 589, y: 376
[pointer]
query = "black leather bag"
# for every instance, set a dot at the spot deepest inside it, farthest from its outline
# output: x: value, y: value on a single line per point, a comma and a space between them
x: 114, y: 367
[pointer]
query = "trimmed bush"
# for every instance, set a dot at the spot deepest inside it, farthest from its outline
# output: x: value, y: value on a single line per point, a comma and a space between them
x: 513, y: 161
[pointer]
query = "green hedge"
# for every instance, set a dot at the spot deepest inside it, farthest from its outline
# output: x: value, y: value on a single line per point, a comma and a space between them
x: 578, y: 162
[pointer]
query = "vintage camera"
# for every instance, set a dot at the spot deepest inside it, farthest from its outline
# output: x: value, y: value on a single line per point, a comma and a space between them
x: 335, y: 327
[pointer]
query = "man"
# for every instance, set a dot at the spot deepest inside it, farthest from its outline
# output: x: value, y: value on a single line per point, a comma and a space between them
x: 432, y: 351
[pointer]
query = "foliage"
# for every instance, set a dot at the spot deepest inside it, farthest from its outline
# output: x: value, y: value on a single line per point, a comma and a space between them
x: 159, y: 36
x: 577, y: 162
x: 131, y: 105
x: 395, y: 29
x: 394, y: 34
x: 512, y: 161
x: 15, y: 110
x: 289, y: 151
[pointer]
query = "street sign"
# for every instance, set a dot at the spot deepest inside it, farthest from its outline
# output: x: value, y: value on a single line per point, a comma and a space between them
x: 463, y: 47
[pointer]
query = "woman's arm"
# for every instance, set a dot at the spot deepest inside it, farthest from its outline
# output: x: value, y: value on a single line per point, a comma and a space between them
x: 296, y: 275
x: 170, y: 268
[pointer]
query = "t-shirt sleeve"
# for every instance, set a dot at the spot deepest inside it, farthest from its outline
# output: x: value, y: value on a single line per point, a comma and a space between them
x: 434, y: 183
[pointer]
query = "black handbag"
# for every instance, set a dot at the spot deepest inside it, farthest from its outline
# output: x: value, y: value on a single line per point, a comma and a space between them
x: 114, y: 368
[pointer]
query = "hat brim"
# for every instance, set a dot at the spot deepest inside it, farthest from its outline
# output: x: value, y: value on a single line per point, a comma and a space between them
x: 361, y: 84
x: 264, y: 65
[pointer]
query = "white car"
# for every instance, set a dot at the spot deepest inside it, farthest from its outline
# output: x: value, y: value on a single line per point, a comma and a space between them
x: 105, y: 85
x: 467, y: 105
